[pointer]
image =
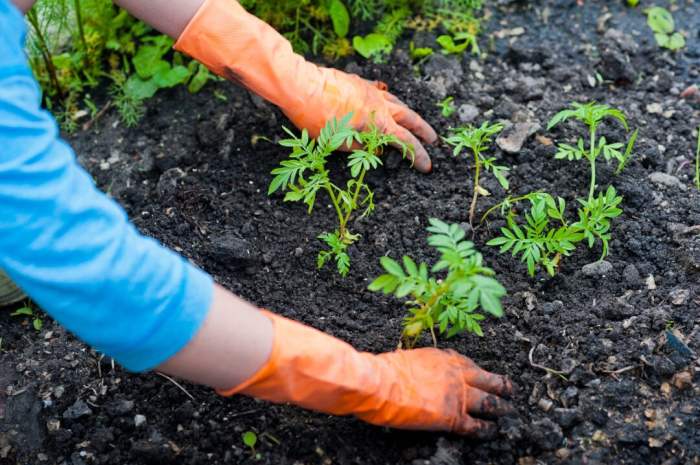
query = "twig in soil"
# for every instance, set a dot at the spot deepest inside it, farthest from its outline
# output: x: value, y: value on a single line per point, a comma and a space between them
x: 176, y: 384
x: 614, y: 373
x: 244, y: 413
x: 542, y: 367
x: 97, y: 116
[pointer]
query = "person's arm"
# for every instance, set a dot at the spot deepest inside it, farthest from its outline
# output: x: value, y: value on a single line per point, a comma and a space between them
x: 74, y: 251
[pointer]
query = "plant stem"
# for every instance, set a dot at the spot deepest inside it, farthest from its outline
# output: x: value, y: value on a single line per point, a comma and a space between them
x: 334, y: 199
x: 475, y: 195
x: 81, y: 31
x: 591, y: 158
x: 45, y: 53
x: 356, y: 196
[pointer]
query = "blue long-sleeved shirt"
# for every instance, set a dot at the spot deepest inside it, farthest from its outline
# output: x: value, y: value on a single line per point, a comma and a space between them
x: 70, y: 247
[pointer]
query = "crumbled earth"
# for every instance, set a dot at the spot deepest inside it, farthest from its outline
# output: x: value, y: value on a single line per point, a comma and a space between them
x: 604, y: 354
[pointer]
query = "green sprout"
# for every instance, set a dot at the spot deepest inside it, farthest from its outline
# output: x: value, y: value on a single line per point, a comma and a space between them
x: 478, y: 140
x: 661, y: 22
x: 37, y: 322
x: 546, y: 236
x: 447, y: 107
x: 458, y: 43
x: 592, y: 114
x: 250, y: 439
x: 452, y: 303
x: 304, y: 174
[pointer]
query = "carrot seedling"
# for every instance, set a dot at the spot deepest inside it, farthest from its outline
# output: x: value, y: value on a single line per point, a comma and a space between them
x: 304, y: 174
x: 447, y: 107
x: 453, y: 303
x: 478, y: 140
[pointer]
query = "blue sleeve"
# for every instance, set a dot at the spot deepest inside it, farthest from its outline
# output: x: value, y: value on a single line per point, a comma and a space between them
x: 70, y: 247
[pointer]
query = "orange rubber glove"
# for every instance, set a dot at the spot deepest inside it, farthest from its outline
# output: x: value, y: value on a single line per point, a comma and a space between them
x: 238, y: 46
x: 427, y: 389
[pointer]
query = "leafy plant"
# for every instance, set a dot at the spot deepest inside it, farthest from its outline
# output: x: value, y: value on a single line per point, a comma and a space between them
x: 74, y: 45
x: 37, y: 322
x: 373, y: 46
x: 546, y: 236
x: 458, y: 43
x: 454, y: 303
x: 304, y: 174
x: 661, y: 22
x: 592, y: 114
x: 478, y: 140
x: 250, y: 439
x: 447, y: 107
x: 419, y: 53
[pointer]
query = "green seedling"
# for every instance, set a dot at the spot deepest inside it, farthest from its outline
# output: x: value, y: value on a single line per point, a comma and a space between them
x: 250, y: 439
x: 661, y: 22
x: 419, y: 53
x: 304, y: 174
x: 447, y: 107
x: 37, y: 322
x: 546, y: 236
x: 592, y: 114
x: 697, y: 162
x: 458, y: 43
x: 453, y: 303
x: 478, y: 140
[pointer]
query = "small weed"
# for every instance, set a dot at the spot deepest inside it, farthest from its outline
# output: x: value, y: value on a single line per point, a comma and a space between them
x: 37, y: 322
x: 453, y: 302
x: 478, y: 140
x: 304, y: 174
x: 661, y: 22
x: 447, y: 107
x: 250, y: 439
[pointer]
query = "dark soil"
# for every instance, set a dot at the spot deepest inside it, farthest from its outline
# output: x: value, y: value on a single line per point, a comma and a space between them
x: 194, y: 175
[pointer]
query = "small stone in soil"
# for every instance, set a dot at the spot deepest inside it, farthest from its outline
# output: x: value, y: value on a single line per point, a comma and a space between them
x: 566, y: 417
x: 679, y: 296
x: 139, y: 420
x: 512, y: 139
x: 546, y: 434
x: 666, y: 180
x: 631, y: 275
x: 599, y: 268
x: 467, y: 113
x: 77, y: 410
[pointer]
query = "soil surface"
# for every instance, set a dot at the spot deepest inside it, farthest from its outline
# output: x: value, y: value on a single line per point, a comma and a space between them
x: 624, y: 343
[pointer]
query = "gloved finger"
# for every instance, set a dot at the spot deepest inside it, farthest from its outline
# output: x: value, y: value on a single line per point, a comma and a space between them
x: 381, y: 85
x: 475, y: 428
x: 489, y: 382
x: 421, y: 159
x: 485, y: 405
x: 409, y: 119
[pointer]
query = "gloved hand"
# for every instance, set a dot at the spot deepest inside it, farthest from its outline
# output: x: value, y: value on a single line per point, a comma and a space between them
x: 240, y: 47
x: 427, y: 389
